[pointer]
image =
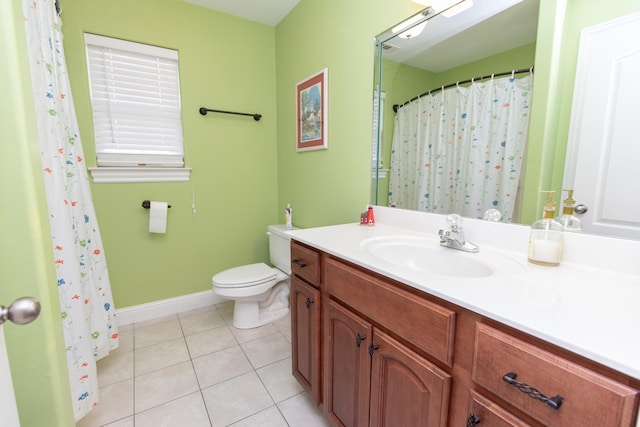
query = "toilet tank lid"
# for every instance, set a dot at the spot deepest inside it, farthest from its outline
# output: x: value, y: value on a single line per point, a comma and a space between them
x: 245, y: 275
x: 281, y: 229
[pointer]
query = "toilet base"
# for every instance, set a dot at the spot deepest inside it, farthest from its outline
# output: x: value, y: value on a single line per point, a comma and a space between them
x: 252, y: 314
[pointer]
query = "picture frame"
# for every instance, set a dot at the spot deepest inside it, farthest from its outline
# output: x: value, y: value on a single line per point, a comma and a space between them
x: 311, y: 112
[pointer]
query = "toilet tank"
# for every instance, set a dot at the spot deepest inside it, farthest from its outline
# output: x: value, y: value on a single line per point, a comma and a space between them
x: 280, y: 247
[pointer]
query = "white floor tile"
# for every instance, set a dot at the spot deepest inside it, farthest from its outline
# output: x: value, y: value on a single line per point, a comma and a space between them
x: 201, y: 321
x: 157, y: 333
x: 279, y: 381
x: 301, y: 411
x: 114, y: 368
x: 266, y: 350
x: 164, y: 385
x: 125, y: 339
x: 125, y: 422
x: 185, y: 411
x: 209, y: 341
x: 246, y: 335
x: 115, y: 402
x: 158, y: 356
x: 236, y: 399
x: 220, y: 366
x: 270, y: 417
x: 157, y: 320
x: 195, y: 369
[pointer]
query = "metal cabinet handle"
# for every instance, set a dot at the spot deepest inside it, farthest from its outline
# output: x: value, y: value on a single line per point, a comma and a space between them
x: 298, y: 263
x: 373, y: 347
x: 21, y: 311
x: 309, y: 302
x: 359, y: 339
x: 532, y: 392
x: 472, y: 420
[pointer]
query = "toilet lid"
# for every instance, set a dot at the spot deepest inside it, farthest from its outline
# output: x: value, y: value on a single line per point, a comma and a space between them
x: 247, y: 275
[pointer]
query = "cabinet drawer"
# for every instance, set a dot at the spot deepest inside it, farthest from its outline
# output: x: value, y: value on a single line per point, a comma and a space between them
x: 305, y: 263
x: 484, y: 412
x: 422, y: 323
x: 588, y: 398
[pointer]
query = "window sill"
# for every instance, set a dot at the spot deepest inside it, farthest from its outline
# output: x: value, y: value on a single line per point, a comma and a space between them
x: 139, y: 174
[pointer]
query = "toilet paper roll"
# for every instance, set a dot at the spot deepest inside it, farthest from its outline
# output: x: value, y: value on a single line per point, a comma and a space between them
x: 158, y: 217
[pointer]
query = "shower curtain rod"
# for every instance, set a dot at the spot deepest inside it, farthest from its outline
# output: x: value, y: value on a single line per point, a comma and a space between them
x: 506, y: 73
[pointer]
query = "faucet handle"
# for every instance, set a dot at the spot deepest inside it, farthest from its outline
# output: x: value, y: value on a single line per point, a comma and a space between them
x: 454, y: 221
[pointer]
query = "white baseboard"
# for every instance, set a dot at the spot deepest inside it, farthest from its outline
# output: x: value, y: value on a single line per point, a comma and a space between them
x: 166, y: 307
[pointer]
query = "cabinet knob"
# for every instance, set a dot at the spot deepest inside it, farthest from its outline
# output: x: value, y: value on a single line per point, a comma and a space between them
x: 309, y: 302
x: 554, y: 402
x: 473, y: 420
x: 373, y: 347
x: 359, y: 339
x: 298, y: 263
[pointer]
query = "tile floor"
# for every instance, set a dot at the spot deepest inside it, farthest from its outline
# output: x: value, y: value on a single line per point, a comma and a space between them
x: 194, y: 369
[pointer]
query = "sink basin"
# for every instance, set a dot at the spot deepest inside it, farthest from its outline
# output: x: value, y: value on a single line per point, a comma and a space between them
x: 425, y: 254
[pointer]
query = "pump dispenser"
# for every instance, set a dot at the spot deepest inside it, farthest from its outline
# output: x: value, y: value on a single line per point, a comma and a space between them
x: 545, y: 240
x: 568, y: 221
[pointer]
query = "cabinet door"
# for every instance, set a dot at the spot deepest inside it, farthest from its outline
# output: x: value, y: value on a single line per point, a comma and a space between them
x: 347, y: 366
x: 406, y: 389
x: 305, y: 336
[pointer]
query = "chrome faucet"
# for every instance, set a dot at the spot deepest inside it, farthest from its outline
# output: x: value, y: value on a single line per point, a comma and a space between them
x: 454, y: 238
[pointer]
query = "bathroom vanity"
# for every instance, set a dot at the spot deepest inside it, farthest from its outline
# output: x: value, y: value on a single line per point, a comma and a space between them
x: 389, y: 328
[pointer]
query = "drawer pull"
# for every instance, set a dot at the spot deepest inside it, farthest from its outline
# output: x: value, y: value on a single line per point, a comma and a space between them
x: 473, y: 420
x: 298, y: 263
x: 553, y: 402
x: 359, y: 339
x: 309, y: 302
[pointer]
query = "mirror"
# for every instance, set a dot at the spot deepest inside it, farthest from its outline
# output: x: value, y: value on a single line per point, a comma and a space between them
x: 436, y: 48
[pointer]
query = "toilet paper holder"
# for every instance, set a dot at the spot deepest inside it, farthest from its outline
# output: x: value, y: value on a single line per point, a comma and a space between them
x: 147, y: 204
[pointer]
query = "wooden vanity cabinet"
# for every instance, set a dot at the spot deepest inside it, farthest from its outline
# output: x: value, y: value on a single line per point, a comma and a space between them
x: 395, y: 356
x: 306, y: 302
x: 549, y: 388
x: 372, y: 378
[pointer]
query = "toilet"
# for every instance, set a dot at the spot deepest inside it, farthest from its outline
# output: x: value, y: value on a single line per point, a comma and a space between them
x: 260, y: 292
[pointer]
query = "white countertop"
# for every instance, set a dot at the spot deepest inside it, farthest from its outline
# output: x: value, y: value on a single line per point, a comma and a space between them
x: 589, y: 304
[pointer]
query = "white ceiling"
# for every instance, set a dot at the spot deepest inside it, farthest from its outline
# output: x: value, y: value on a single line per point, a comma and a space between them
x: 268, y: 12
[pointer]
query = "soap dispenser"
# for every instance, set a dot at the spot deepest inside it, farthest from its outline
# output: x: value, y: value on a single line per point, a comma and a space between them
x: 568, y: 221
x: 545, y: 240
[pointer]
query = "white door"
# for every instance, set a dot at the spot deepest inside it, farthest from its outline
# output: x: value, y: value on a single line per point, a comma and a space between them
x: 604, y: 148
x: 7, y: 399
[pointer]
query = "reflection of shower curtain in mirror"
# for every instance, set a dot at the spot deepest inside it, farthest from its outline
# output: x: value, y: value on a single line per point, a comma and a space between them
x: 461, y: 150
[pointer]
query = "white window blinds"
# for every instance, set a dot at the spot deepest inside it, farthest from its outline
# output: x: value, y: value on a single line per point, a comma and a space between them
x: 135, y: 97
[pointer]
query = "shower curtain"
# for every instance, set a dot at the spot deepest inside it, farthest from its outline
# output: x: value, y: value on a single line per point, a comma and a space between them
x: 86, y: 304
x: 461, y: 150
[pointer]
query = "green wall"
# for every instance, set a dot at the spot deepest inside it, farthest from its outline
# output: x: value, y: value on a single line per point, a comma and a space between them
x: 330, y: 186
x: 244, y: 172
x: 36, y: 351
x: 225, y: 63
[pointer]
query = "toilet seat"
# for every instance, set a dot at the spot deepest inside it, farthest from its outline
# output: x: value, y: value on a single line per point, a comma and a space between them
x: 245, y: 276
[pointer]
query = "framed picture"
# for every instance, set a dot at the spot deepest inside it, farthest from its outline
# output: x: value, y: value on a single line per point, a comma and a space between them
x: 311, y: 112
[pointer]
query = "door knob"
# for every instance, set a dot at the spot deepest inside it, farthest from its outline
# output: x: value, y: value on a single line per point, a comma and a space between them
x: 21, y: 311
x: 580, y: 209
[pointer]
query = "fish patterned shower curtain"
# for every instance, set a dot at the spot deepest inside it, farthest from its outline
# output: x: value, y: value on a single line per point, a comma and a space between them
x: 461, y: 149
x: 86, y: 303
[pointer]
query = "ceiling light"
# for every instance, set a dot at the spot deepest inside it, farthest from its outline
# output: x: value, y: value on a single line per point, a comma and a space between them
x: 408, y: 28
x: 450, y: 7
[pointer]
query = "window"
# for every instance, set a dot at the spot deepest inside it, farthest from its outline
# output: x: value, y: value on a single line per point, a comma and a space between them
x: 135, y: 98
